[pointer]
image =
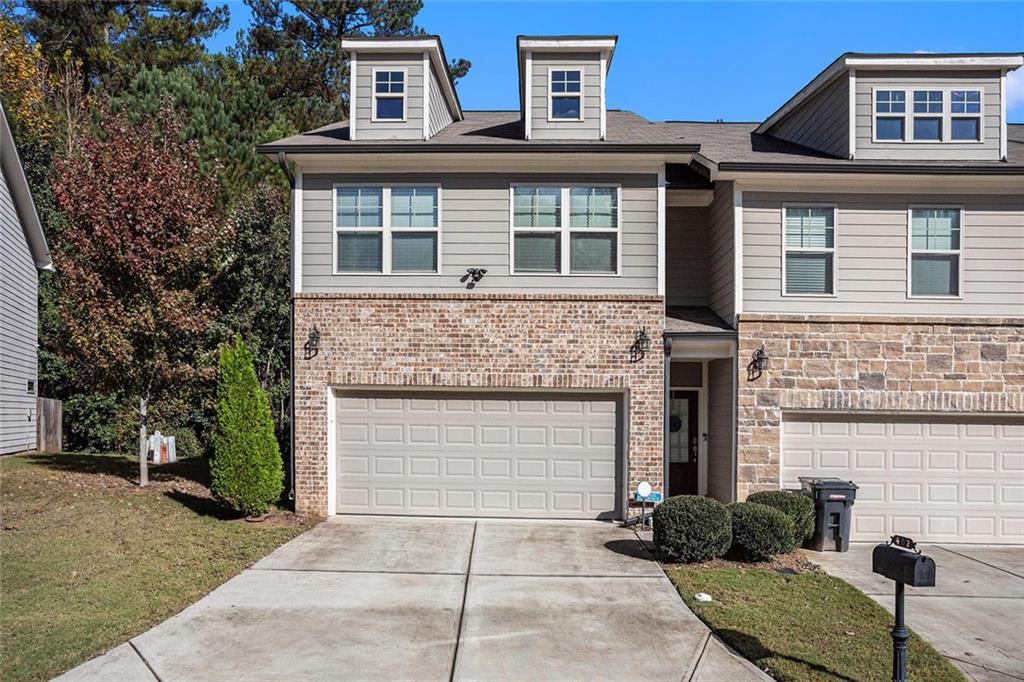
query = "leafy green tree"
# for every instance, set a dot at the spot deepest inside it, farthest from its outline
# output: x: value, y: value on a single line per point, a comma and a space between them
x: 246, y: 470
x: 113, y: 38
x: 294, y: 50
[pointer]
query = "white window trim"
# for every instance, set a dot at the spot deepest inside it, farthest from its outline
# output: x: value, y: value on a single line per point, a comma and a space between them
x: 552, y: 95
x: 386, y: 230
x: 564, y: 230
x: 374, y: 95
x: 959, y: 253
x: 908, y: 115
x: 812, y: 249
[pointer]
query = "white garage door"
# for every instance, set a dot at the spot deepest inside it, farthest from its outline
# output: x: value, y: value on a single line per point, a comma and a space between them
x: 541, y: 456
x: 930, y: 478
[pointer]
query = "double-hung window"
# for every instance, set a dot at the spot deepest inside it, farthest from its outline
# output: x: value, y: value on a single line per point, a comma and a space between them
x: 928, y: 115
x: 565, y: 230
x: 935, y: 251
x: 890, y: 115
x: 809, y: 252
x: 388, y: 95
x: 965, y: 115
x: 387, y: 230
x: 566, y: 94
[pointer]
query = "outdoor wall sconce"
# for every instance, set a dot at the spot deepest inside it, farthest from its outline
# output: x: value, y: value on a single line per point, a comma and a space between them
x: 641, y: 344
x: 472, y: 276
x: 758, y: 364
x: 312, y: 345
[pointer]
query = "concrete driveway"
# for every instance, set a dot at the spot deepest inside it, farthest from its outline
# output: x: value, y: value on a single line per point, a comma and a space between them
x: 975, y: 613
x: 430, y: 599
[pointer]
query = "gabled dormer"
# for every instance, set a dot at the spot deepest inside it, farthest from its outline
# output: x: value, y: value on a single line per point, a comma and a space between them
x: 399, y: 88
x: 562, y: 86
x: 902, y: 107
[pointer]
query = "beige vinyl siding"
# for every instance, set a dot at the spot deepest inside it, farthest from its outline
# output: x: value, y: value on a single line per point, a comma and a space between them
x: 587, y: 129
x: 686, y: 256
x: 822, y: 122
x: 871, y: 255
x: 409, y: 129
x: 989, y: 83
x: 720, y: 429
x: 440, y: 115
x: 722, y: 254
x: 475, y: 233
x: 18, y: 331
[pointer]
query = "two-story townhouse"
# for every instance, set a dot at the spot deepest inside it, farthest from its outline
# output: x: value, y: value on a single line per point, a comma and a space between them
x: 527, y: 313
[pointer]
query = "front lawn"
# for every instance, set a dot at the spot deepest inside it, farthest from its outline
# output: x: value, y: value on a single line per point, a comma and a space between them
x: 807, y: 626
x: 88, y: 560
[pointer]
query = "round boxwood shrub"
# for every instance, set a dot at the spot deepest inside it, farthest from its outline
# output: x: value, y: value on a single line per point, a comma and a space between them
x: 691, y: 528
x: 799, y: 508
x: 759, y: 532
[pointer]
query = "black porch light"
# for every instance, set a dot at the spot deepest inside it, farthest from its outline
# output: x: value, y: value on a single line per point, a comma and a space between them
x: 758, y: 363
x: 312, y: 345
x: 641, y: 344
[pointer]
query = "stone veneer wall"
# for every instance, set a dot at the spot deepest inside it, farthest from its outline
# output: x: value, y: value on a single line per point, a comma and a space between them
x: 869, y: 365
x: 528, y: 341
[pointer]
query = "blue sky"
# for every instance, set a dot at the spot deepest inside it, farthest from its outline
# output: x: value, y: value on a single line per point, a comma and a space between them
x: 705, y: 61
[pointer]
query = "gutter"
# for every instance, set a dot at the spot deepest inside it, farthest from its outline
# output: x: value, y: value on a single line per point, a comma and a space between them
x: 282, y: 161
x: 518, y: 148
x: 880, y: 169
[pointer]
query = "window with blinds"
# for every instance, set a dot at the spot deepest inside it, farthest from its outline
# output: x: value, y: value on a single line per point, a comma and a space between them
x: 557, y: 230
x: 387, y: 230
x: 809, y: 250
x: 935, y: 251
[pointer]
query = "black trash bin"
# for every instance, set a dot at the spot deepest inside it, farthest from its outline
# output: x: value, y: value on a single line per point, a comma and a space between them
x: 833, y: 503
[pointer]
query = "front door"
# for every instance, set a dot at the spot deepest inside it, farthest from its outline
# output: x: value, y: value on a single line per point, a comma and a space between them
x: 683, y: 443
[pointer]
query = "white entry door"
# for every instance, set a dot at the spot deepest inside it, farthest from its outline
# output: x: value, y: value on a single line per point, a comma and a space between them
x: 457, y: 454
x: 937, y: 479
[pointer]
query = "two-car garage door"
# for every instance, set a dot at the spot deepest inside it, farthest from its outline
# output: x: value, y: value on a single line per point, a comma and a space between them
x: 937, y: 479
x: 459, y: 454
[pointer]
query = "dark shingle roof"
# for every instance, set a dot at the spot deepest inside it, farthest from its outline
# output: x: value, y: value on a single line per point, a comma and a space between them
x: 490, y: 128
x: 734, y: 146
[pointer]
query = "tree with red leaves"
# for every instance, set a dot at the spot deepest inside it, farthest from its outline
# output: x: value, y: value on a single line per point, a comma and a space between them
x: 136, y: 258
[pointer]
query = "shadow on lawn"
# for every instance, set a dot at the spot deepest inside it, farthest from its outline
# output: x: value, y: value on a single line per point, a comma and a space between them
x: 752, y: 649
x: 194, y: 469
x: 204, y: 506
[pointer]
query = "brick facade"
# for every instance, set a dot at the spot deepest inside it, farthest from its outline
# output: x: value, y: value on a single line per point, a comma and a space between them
x: 869, y: 365
x: 544, y: 342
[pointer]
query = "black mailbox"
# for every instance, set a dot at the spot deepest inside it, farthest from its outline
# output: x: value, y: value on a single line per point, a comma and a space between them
x: 903, y: 566
x: 899, y: 560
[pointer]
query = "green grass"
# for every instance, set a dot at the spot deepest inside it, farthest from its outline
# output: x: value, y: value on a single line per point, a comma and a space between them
x: 88, y: 560
x: 803, y: 627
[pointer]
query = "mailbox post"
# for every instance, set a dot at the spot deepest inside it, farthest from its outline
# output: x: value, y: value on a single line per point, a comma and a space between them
x: 901, y: 561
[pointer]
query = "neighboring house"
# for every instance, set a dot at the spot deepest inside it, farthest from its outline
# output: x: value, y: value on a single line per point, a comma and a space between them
x: 23, y: 252
x: 869, y: 234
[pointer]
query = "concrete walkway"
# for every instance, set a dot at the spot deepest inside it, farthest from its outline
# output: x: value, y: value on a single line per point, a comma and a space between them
x: 431, y: 599
x: 974, y: 615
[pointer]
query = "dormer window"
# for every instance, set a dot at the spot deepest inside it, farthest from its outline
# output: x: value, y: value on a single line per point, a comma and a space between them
x: 565, y: 96
x: 389, y: 95
x: 965, y: 115
x: 928, y: 115
x: 888, y: 127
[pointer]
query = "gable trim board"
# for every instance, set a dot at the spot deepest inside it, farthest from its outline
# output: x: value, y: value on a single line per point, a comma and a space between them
x: 21, y: 194
x: 353, y: 100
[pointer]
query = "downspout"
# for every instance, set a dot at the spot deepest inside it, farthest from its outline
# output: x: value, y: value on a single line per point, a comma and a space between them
x: 668, y: 414
x: 282, y: 161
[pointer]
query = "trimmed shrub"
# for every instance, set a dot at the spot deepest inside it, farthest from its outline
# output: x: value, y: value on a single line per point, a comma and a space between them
x: 759, y: 532
x: 799, y: 508
x: 691, y: 528
x: 246, y: 470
